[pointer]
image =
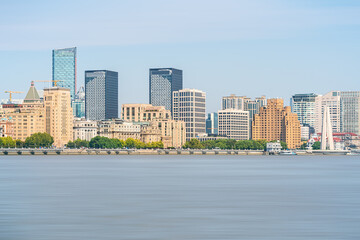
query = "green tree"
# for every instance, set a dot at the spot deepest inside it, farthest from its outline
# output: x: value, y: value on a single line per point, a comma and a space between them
x: 283, y: 145
x: 316, y: 145
x: 99, y: 142
x: 130, y: 143
x: 81, y: 143
x: 7, y: 142
x: 209, y: 144
x: 70, y: 144
x: 221, y: 145
x: 303, y: 146
x: 193, y: 144
x: 39, y: 140
x: 19, y: 143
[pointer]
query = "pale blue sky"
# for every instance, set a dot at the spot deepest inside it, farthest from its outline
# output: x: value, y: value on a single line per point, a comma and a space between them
x: 247, y: 47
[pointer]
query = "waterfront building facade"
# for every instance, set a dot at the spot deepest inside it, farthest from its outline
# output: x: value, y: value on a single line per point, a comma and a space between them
x: 101, y: 94
x: 173, y: 133
x: 331, y: 100
x: 234, y: 124
x: 189, y: 106
x: 212, y: 123
x: 58, y: 115
x: 162, y: 83
x: 26, y: 118
x: 117, y: 128
x: 64, y: 68
x: 143, y: 112
x: 84, y: 129
x: 276, y: 122
x: 350, y: 111
x: 304, y: 105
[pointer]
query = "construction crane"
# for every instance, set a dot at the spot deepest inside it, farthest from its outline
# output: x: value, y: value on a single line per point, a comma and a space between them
x: 53, y: 81
x: 11, y: 92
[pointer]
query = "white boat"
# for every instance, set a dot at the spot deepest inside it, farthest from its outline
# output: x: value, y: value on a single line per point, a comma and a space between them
x: 287, y: 152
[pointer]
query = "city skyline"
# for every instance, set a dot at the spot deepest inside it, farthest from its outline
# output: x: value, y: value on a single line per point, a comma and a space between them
x: 290, y: 48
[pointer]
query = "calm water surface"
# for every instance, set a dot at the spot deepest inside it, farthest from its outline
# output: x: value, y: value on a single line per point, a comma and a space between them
x: 179, y: 197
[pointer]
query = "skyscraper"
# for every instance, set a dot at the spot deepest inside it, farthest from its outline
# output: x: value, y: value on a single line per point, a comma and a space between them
x: 350, y: 111
x: 304, y: 105
x: 64, y: 68
x: 189, y: 106
x: 101, y: 94
x: 162, y: 83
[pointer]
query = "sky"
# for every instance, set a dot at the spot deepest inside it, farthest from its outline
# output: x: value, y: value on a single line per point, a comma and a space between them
x: 275, y: 48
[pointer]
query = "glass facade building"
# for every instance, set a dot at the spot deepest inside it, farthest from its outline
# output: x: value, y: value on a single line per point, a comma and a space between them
x: 212, y: 124
x: 78, y: 104
x: 162, y: 83
x: 101, y: 94
x: 350, y: 111
x: 64, y: 68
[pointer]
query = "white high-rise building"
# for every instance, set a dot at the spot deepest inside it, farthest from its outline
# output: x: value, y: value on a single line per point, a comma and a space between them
x: 189, y: 106
x: 304, y: 106
x: 234, y: 124
x: 332, y: 101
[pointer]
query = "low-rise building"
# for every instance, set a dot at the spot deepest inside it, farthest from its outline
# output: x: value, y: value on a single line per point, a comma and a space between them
x: 273, y: 147
x: 84, y: 129
x: 117, y: 128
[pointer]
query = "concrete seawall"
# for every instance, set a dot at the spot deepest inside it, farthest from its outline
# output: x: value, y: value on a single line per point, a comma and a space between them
x: 12, y: 151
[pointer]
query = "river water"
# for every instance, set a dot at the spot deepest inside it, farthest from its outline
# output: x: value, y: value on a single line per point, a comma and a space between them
x: 179, y: 197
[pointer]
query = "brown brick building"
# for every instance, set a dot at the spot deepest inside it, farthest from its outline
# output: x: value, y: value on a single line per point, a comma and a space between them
x: 276, y: 122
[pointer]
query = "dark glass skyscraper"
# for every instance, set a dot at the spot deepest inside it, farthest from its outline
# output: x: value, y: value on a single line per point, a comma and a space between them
x: 101, y: 94
x: 162, y: 83
x: 64, y: 68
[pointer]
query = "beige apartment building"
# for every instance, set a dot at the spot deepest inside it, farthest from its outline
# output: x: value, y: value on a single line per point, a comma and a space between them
x: 26, y: 118
x: 173, y: 133
x: 58, y: 115
x: 155, y: 120
x: 276, y: 122
x: 143, y: 112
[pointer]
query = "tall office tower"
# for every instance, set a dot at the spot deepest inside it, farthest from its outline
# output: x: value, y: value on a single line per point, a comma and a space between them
x: 78, y: 104
x: 58, y: 115
x: 64, y: 68
x: 101, y: 94
x: 331, y: 100
x: 304, y: 106
x: 276, y: 122
x: 350, y: 111
x: 189, y: 106
x: 212, y: 123
x: 234, y: 124
x: 162, y: 83
x: 234, y: 102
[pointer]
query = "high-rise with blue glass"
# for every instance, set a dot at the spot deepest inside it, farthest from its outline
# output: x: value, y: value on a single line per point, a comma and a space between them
x: 64, y: 68
x: 162, y: 83
x: 101, y: 94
